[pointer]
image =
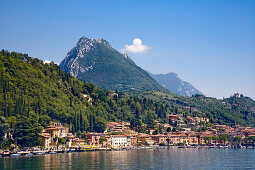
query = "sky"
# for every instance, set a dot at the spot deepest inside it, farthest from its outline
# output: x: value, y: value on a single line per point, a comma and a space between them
x: 209, y: 43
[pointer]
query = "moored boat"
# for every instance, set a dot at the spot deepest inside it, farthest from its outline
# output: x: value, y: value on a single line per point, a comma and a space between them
x: 52, y: 152
x: 15, y: 155
x: 29, y: 154
x: 6, y: 153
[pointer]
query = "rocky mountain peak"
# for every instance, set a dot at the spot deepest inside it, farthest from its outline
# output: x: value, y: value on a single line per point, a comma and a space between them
x: 103, y: 41
x: 81, y: 50
x: 84, y: 41
x: 126, y: 55
x: 95, y: 61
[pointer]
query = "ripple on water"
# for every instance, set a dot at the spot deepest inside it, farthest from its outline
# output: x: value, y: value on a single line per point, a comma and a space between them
x: 138, y: 159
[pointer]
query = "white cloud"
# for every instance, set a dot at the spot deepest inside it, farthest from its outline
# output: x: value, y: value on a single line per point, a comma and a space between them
x: 46, y: 62
x: 136, y: 47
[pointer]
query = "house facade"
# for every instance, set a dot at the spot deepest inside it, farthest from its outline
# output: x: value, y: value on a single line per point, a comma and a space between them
x: 120, y: 141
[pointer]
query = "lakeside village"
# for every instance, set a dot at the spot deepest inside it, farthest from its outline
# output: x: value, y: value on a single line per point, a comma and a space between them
x: 119, y: 135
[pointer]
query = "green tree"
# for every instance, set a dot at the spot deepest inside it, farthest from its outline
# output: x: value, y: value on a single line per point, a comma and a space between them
x: 61, y: 141
x: 102, y: 140
x: 168, y: 129
x: 156, y: 131
x: 100, y: 125
x: 27, y: 131
x: 4, y: 128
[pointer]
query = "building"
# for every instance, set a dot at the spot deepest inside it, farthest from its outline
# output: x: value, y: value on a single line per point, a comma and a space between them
x: 70, y: 138
x: 53, y: 131
x: 237, y: 95
x: 93, y: 138
x: 184, y: 138
x: 62, y: 131
x: 173, y: 117
x: 87, y: 97
x: 120, y: 141
x: 159, y: 139
x: 144, y: 139
x: 46, y: 139
x: 133, y: 140
x: 79, y: 142
x: 118, y: 127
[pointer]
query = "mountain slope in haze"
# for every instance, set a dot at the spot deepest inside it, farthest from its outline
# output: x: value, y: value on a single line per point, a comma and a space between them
x: 97, y: 62
x: 229, y: 111
x: 172, y: 82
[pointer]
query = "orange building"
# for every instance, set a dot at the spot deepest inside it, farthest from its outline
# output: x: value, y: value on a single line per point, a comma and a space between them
x: 93, y: 138
x: 159, y: 138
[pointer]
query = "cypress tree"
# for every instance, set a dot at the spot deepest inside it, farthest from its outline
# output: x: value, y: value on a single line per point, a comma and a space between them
x: 81, y: 122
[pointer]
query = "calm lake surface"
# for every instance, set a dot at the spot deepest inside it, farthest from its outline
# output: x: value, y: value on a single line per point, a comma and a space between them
x: 175, y: 158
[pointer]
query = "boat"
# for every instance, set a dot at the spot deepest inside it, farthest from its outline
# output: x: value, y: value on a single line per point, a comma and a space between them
x: 52, y: 152
x: 23, y: 152
x: 40, y: 153
x: 6, y: 153
x: 15, y: 155
x: 29, y: 154
x: 70, y: 151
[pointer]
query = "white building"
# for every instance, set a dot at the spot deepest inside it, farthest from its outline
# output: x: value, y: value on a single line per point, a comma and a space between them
x: 120, y: 141
x: 63, y: 131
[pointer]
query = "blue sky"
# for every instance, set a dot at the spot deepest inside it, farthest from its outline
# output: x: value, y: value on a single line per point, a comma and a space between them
x: 209, y: 43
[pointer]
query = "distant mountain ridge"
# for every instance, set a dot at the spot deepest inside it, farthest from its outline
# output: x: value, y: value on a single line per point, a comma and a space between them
x: 172, y: 82
x: 97, y: 62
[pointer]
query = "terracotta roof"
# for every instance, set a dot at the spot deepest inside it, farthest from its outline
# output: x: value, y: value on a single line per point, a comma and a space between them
x: 52, y: 129
x: 143, y: 135
x: 51, y: 126
x: 45, y: 135
x: 158, y: 135
x: 118, y: 135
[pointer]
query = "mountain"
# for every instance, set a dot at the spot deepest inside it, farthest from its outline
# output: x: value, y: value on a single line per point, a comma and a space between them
x: 33, y: 94
x: 172, y: 82
x: 238, y: 110
x: 97, y: 62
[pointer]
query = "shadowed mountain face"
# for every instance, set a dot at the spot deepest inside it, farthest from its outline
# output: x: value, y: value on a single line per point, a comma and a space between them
x: 172, y: 82
x: 97, y: 62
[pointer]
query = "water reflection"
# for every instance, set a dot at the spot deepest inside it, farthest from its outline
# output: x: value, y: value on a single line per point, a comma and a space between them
x: 138, y: 159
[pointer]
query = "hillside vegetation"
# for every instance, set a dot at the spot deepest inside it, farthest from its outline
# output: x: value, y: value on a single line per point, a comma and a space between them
x: 32, y: 94
x: 228, y: 111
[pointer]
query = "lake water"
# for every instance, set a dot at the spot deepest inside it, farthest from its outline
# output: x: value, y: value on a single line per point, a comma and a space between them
x: 138, y: 159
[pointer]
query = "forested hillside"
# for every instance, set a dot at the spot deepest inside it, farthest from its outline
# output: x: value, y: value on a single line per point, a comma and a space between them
x: 32, y: 94
x: 229, y: 111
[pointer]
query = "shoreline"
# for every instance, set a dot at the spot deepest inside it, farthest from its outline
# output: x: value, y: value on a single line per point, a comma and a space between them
x: 47, y: 152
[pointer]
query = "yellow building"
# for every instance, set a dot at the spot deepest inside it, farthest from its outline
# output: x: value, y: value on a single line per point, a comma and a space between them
x: 53, y: 131
x: 144, y: 139
x: 188, y: 139
x: 46, y: 139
